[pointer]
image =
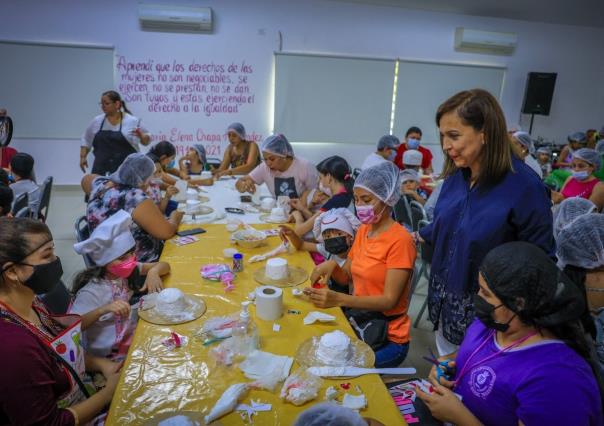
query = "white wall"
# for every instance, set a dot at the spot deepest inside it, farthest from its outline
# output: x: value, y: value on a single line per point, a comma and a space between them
x: 247, y: 31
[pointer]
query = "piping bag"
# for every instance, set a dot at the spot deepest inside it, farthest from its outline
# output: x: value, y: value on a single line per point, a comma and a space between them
x: 227, y: 401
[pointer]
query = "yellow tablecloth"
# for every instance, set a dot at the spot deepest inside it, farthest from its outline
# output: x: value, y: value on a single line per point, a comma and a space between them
x: 156, y: 381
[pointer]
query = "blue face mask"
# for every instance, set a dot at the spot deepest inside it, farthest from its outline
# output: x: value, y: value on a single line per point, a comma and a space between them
x: 413, y: 143
x: 392, y: 155
x: 171, y: 165
x: 582, y: 175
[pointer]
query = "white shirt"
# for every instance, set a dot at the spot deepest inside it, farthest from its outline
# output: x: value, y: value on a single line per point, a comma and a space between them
x: 129, y: 124
x: 100, y: 337
x: 372, y: 160
x: 534, y: 164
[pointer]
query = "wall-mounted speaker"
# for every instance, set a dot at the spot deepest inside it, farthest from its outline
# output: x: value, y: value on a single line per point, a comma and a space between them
x: 539, y: 93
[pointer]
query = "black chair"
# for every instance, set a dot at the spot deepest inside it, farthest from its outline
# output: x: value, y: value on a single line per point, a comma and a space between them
x: 82, y: 232
x: 24, y: 212
x: 58, y: 300
x: 417, y: 214
x: 45, y: 189
x: 402, y: 213
x: 356, y: 172
x: 19, y: 203
x: 213, y: 163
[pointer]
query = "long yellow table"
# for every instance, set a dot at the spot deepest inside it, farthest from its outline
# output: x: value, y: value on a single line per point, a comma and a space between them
x: 156, y: 382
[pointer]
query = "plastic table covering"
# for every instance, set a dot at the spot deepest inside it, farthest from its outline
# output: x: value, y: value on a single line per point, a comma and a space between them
x: 156, y: 382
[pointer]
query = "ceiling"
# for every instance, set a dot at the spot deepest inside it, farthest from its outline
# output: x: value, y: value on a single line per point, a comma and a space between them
x: 589, y: 13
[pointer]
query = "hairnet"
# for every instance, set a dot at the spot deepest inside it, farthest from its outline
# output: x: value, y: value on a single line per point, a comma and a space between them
x: 237, y: 128
x: 569, y: 210
x: 412, y: 157
x: 581, y: 243
x: 134, y: 171
x: 525, y: 140
x: 388, y: 142
x: 329, y: 414
x: 578, y: 137
x: 201, y: 152
x: 589, y: 155
x: 600, y: 146
x: 382, y: 180
x: 409, y: 174
x: 544, y: 150
x: 278, y: 145
x: 529, y: 283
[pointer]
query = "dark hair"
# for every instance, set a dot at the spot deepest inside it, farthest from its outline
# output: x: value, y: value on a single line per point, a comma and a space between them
x: 339, y: 169
x: 480, y: 110
x: 160, y: 149
x: 115, y: 97
x: 4, y: 177
x: 14, y: 242
x: 6, y: 199
x: 413, y: 129
x: 97, y: 273
x: 22, y: 165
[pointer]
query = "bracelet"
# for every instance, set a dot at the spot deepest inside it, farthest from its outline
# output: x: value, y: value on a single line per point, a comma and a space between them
x: 76, y: 418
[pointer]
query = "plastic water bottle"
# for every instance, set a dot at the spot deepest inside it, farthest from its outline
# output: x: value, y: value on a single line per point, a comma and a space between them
x: 245, y: 333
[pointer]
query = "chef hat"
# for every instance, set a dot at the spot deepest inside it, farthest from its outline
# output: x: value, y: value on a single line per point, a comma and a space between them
x: 412, y: 157
x: 341, y: 219
x: 110, y: 240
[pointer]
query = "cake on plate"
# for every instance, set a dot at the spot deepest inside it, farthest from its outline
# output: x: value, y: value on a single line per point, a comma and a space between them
x: 277, y: 215
x: 170, y: 301
x: 276, y: 268
x: 334, y: 348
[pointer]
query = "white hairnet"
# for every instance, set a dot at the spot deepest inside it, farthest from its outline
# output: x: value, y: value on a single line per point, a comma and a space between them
x: 412, y: 157
x: 134, y: 171
x: 580, y: 137
x: 581, y: 243
x: 238, y: 129
x: 201, y: 152
x: 600, y: 147
x: 278, y: 145
x: 409, y: 174
x: 589, y: 155
x: 329, y: 414
x: 340, y: 218
x: 569, y: 210
x: 388, y: 141
x: 544, y: 150
x: 525, y: 140
x: 382, y: 180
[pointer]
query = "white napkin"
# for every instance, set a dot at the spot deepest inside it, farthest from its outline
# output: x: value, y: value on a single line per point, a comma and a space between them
x: 315, y: 316
x: 255, y: 365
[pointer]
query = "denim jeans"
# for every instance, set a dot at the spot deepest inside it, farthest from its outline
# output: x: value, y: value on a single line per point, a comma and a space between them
x: 391, y: 355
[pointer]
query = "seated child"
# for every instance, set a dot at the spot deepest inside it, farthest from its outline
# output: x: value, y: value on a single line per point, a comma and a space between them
x: 156, y: 184
x: 193, y: 164
x: 103, y: 292
x: 410, y: 186
x: 313, y: 200
x: 334, y: 230
x: 543, y: 158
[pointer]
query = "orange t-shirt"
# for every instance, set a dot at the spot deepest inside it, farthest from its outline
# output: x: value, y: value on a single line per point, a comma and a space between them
x: 371, y: 258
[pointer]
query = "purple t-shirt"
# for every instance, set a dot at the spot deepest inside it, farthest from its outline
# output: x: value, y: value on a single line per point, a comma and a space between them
x: 547, y: 383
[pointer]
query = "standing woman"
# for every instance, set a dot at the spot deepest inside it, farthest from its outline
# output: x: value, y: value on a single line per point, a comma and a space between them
x: 241, y: 156
x: 113, y: 136
x: 489, y: 197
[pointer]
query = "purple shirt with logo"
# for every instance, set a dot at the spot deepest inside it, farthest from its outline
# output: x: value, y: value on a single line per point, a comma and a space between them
x: 547, y: 383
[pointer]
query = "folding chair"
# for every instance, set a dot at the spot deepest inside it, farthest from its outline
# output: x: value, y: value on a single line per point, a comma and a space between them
x: 82, y: 232
x: 46, y: 190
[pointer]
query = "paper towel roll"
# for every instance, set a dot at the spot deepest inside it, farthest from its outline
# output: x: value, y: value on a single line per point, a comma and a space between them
x: 269, y: 302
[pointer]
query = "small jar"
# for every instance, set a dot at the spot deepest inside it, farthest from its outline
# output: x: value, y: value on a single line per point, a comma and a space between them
x: 237, y: 262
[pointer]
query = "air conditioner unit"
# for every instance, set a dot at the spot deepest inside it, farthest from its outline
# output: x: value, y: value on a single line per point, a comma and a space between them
x: 487, y: 42
x: 157, y: 17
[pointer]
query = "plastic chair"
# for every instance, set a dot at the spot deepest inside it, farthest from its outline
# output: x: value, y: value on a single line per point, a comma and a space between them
x: 46, y: 190
x: 58, y: 300
x: 82, y: 232
x: 403, y: 214
x: 356, y: 172
x: 213, y: 163
x: 24, y: 212
x: 19, y: 203
x: 417, y: 214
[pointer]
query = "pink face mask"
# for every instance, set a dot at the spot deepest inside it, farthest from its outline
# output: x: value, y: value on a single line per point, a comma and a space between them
x: 123, y: 269
x: 367, y: 215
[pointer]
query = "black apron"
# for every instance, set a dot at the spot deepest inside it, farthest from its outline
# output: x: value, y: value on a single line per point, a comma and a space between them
x: 110, y: 150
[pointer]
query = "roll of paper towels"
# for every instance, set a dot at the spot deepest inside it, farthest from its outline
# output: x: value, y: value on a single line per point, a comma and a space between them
x: 269, y: 302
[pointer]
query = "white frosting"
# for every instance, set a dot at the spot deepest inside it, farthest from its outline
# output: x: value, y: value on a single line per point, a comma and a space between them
x: 276, y: 268
x: 278, y: 213
x: 170, y: 301
x: 334, y: 348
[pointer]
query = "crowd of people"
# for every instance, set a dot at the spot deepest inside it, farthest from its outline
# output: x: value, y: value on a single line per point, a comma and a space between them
x: 516, y: 282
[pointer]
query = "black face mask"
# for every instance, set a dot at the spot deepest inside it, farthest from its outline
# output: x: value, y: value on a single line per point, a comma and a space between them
x: 336, y: 245
x: 484, y: 312
x: 45, y: 277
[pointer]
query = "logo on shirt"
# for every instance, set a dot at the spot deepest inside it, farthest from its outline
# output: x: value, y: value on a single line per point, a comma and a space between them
x: 482, y: 381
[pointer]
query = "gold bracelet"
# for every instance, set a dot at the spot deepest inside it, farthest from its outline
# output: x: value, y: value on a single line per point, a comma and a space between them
x: 76, y: 418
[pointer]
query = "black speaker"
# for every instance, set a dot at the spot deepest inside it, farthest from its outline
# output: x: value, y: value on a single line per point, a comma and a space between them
x: 539, y: 93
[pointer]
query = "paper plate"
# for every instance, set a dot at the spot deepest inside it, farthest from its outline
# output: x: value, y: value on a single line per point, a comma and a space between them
x: 360, y: 354
x: 201, y: 210
x: 180, y: 418
x: 203, y: 198
x: 196, y: 306
x: 267, y: 218
x: 295, y: 276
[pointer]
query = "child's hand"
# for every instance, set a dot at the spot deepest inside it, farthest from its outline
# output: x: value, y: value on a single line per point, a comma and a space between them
x: 153, y: 283
x: 117, y: 307
x: 171, y: 191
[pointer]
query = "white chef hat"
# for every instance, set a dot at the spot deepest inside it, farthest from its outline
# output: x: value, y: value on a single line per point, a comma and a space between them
x: 412, y: 157
x: 341, y: 219
x: 110, y: 240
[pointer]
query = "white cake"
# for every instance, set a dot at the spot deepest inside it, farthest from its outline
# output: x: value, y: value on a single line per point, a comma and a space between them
x: 267, y: 203
x: 192, y: 206
x: 276, y: 268
x: 192, y: 194
x: 170, y: 301
x: 334, y: 348
x: 278, y: 214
